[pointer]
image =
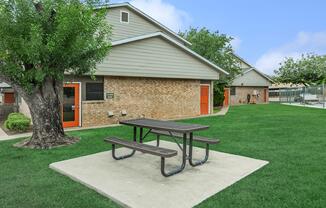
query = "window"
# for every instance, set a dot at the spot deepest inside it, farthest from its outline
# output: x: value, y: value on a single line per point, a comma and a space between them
x: 124, y: 17
x: 274, y: 93
x: 232, y: 91
x: 94, y: 91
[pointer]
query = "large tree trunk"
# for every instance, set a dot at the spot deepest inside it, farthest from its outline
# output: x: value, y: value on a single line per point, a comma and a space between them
x: 45, y: 105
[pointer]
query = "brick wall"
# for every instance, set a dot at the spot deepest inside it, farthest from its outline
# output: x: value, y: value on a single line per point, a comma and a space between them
x: 143, y: 97
x: 242, y: 92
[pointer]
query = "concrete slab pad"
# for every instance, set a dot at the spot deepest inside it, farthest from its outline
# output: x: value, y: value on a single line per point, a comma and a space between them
x: 137, y: 181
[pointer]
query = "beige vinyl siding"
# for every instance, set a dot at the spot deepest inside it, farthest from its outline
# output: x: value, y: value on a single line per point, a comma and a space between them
x: 154, y: 57
x: 251, y: 78
x: 137, y: 25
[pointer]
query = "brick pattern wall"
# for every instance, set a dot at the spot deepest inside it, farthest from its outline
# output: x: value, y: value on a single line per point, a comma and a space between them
x: 242, y: 92
x: 143, y: 97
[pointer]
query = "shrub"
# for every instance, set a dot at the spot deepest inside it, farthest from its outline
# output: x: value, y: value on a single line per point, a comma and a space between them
x: 17, y: 122
x: 15, y: 115
x: 218, y: 94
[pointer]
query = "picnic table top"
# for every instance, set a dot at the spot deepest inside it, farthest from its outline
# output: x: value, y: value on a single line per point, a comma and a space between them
x: 164, y: 125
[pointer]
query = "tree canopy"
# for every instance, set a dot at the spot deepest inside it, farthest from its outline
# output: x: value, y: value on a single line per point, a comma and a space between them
x: 310, y: 69
x: 48, y: 38
x: 40, y: 42
x: 215, y: 47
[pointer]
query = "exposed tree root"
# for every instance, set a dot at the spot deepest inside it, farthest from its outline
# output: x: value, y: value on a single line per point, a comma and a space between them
x: 41, y: 144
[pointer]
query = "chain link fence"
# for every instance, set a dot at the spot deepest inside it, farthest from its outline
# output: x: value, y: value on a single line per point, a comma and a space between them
x: 311, y: 96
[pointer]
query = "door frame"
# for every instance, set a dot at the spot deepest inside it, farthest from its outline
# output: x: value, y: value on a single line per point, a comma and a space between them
x: 79, y: 102
x: 209, y: 96
x: 266, y: 93
x: 225, y: 104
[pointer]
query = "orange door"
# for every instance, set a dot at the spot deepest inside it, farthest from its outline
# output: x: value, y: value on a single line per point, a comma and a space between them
x: 204, y: 100
x: 70, y: 108
x: 226, y: 97
x: 265, y: 95
x: 9, y: 98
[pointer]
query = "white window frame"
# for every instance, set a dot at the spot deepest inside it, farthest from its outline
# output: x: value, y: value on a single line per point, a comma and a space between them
x: 123, y: 11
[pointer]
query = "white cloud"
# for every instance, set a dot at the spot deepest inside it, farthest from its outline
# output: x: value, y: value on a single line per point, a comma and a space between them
x: 165, y: 13
x: 236, y: 42
x: 270, y: 61
x: 304, y: 42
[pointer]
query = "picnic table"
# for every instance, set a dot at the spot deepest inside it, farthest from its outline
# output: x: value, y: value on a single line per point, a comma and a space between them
x: 171, y: 129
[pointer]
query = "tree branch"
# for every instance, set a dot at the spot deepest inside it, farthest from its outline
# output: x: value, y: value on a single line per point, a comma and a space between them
x: 39, y: 7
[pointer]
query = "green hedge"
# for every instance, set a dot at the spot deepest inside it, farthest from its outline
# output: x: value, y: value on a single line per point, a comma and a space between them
x: 17, y: 122
x: 218, y: 94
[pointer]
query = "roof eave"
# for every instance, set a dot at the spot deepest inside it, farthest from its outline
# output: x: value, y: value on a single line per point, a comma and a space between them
x: 241, y: 59
x: 252, y: 68
x: 259, y: 72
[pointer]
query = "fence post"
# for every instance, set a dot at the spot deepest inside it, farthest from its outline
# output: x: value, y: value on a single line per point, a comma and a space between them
x: 304, y: 96
x: 323, y: 95
x: 287, y: 95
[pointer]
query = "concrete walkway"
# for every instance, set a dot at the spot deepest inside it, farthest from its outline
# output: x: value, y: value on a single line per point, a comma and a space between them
x: 223, y: 111
x: 3, y: 134
x: 16, y: 136
x: 137, y: 182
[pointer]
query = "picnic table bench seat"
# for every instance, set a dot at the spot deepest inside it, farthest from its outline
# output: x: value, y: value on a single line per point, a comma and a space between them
x: 158, y: 151
x: 145, y: 148
x: 180, y: 135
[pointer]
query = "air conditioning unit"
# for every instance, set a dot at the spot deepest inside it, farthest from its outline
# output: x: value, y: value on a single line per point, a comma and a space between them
x: 123, y: 112
x: 110, y: 113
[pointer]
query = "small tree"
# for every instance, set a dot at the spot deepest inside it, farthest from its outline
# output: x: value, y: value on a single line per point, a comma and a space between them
x: 310, y: 69
x: 39, y: 43
x: 216, y: 48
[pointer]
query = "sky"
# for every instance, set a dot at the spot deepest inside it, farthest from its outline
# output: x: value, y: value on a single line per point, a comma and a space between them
x: 265, y: 32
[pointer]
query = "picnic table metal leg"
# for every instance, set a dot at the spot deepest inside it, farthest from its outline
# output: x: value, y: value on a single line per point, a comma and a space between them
x: 141, y: 135
x: 123, y: 156
x: 157, y: 140
x: 175, y: 140
x: 190, y: 153
x: 184, y: 159
x: 135, y: 134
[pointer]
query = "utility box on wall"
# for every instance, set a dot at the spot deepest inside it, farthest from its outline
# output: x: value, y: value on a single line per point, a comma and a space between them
x: 109, y: 95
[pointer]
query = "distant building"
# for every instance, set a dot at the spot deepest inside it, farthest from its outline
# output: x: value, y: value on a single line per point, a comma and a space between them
x: 8, y: 100
x: 7, y: 94
x: 275, y: 89
x: 249, y: 87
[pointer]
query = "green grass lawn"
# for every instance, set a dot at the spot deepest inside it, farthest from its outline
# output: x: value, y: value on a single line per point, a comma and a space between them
x: 292, y: 139
x: 216, y: 109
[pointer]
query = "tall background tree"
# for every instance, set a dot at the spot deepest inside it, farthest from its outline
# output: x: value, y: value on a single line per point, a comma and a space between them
x: 310, y: 69
x: 217, y: 48
x: 40, y: 42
